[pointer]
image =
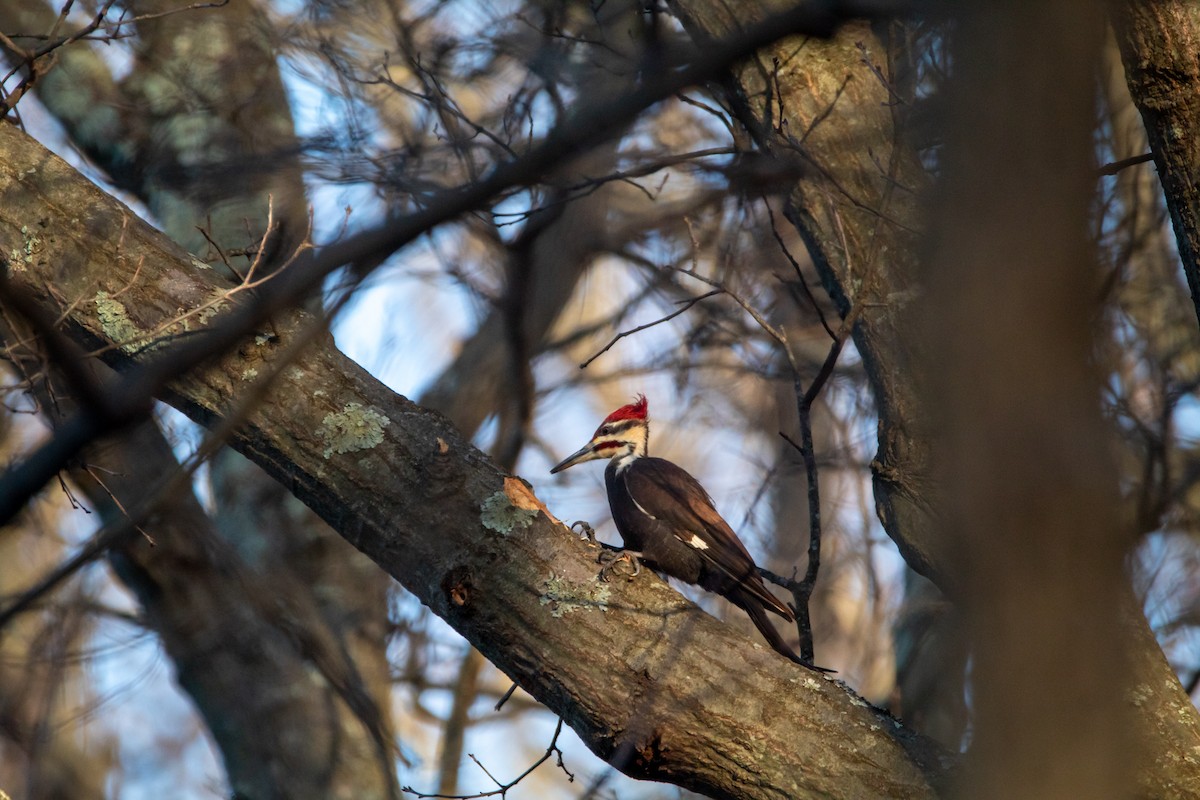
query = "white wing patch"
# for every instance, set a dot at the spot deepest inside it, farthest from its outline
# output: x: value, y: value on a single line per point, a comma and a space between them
x: 697, y: 542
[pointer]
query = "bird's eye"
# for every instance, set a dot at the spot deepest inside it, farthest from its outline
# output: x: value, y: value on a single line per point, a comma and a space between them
x: 606, y: 429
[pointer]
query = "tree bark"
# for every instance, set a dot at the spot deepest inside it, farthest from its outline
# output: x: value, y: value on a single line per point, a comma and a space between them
x: 861, y: 216
x: 204, y: 104
x: 1159, y: 41
x: 818, y: 102
x: 651, y: 683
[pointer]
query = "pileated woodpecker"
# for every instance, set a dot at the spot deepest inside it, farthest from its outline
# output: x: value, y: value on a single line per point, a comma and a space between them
x: 667, y: 520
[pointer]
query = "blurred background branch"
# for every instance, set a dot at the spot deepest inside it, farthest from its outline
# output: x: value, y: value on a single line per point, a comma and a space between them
x: 624, y: 159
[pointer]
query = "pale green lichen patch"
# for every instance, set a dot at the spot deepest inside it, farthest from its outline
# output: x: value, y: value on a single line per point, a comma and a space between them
x: 498, y: 513
x: 22, y: 257
x: 564, y: 597
x: 249, y: 374
x: 352, y: 429
x: 214, y: 304
x: 115, y: 321
x: 159, y: 93
x: 195, y: 138
x: 1139, y: 694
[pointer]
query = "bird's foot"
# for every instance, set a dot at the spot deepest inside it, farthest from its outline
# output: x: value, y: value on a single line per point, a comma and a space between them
x: 585, y: 530
x: 609, y: 559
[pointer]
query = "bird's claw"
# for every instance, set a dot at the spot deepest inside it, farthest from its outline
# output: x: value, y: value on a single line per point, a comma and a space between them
x: 585, y: 529
x: 609, y: 559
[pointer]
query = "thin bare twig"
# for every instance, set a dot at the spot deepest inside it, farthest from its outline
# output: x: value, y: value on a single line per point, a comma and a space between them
x: 805, y: 398
x: 505, y: 697
x: 687, y: 305
x: 1114, y: 167
x: 502, y: 789
x: 85, y: 34
x: 802, y: 591
x: 799, y: 273
x: 62, y: 352
x: 36, y: 61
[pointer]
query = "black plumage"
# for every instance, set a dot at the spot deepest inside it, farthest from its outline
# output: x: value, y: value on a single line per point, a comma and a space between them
x: 667, y: 520
x: 664, y: 514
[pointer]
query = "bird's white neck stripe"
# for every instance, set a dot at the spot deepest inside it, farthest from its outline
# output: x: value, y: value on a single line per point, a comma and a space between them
x: 629, y: 460
x: 624, y: 460
x: 639, y: 507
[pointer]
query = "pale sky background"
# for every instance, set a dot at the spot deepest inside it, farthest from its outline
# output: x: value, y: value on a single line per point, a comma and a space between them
x: 404, y: 329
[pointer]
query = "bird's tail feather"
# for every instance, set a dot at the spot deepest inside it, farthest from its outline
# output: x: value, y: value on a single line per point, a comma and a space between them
x: 758, y: 615
x: 750, y: 587
x: 770, y: 601
x: 751, y: 605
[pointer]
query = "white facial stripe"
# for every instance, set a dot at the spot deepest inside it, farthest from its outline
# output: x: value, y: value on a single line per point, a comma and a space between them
x: 621, y: 426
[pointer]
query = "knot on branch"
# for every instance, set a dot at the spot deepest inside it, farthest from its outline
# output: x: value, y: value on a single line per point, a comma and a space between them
x: 458, y: 586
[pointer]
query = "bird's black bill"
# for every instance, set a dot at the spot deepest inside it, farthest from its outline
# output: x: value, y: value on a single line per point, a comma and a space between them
x: 582, y: 454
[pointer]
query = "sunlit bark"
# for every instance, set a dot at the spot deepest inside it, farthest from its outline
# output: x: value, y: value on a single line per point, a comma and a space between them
x: 648, y: 680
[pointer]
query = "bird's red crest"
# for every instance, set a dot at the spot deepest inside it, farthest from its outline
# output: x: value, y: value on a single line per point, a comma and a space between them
x: 635, y: 410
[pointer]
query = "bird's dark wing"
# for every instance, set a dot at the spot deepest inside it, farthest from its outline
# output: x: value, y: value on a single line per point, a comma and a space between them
x: 672, y: 496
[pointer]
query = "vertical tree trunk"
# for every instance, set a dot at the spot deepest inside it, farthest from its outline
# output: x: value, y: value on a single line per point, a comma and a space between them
x: 861, y: 218
x: 1158, y: 40
x: 1027, y: 479
x: 202, y: 132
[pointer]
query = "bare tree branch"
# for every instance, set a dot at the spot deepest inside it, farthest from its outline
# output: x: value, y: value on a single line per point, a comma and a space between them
x: 476, y: 545
x: 365, y: 251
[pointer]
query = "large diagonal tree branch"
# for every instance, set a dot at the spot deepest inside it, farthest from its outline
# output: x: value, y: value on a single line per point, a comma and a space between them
x: 647, y: 679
